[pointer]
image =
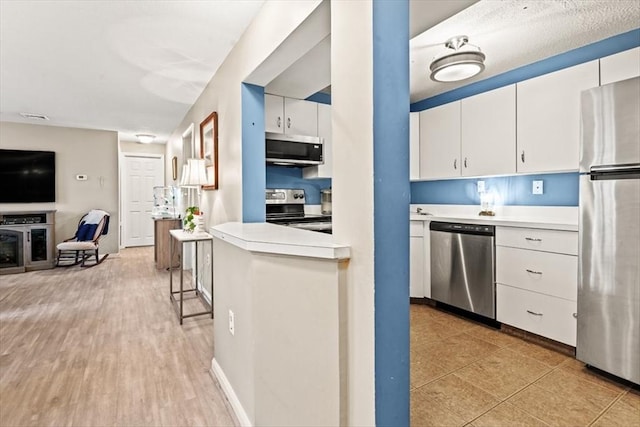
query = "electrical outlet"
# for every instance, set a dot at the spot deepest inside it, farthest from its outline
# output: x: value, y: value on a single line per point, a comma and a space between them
x: 232, y: 323
x: 538, y: 187
x: 481, y: 187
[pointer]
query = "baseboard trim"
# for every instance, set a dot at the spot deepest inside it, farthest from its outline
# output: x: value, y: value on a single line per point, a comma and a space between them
x: 238, y: 410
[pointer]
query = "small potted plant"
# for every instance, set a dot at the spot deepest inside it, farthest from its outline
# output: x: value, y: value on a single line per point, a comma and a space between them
x: 190, y: 221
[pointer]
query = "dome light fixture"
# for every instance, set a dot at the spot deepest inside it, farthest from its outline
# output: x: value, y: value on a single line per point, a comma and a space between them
x: 463, y: 62
x: 145, y: 138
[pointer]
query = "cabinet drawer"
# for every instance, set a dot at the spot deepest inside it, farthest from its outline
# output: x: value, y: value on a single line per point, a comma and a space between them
x: 541, y: 314
x: 543, y: 272
x: 416, y: 228
x: 564, y: 242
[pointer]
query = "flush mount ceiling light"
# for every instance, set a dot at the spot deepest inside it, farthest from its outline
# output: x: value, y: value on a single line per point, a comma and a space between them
x: 464, y: 61
x: 145, y: 138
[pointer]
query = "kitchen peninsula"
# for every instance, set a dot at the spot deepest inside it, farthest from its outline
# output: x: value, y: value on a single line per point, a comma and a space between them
x: 280, y: 332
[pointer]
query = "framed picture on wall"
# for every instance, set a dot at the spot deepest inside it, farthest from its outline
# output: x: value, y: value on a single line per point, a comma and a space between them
x: 188, y: 148
x: 209, y: 149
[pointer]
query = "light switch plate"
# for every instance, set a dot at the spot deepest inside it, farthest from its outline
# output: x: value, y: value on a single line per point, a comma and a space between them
x: 538, y: 187
x: 481, y: 187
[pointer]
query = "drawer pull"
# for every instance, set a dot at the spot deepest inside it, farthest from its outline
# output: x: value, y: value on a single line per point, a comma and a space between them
x: 534, y: 313
x: 575, y: 315
x: 532, y: 239
x: 533, y: 272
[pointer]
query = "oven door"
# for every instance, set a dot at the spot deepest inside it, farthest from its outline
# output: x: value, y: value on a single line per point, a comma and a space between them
x: 322, y: 227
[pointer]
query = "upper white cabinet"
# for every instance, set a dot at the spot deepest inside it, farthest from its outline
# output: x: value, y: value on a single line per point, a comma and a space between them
x: 548, y: 119
x: 414, y: 145
x: 488, y: 138
x: 440, y: 141
x: 324, y: 131
x: 475, y: 136
x: 290, y: 116
x: 621, y: 66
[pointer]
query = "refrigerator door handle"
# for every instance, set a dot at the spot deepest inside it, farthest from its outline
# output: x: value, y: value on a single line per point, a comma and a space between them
x: 616, y: 168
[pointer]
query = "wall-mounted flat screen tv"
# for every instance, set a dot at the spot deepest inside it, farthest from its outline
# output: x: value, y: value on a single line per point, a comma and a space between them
x: 27, y: 176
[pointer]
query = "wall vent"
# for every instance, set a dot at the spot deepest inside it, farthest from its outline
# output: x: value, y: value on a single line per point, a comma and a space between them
x: 34, y: 116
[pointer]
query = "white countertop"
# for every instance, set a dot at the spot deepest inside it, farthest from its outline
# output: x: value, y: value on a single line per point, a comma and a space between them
x: 279, y: 239
x: 194, y: 236
x: 547, y: 217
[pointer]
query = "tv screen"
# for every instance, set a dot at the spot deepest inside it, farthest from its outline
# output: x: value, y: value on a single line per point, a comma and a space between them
x: 27, y: 176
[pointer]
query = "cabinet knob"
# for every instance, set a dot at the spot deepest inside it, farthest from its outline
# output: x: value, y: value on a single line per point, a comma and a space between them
x: 575, y: 315
x: 289, y: 122
x: 522, y: 156
x: 455, y: 163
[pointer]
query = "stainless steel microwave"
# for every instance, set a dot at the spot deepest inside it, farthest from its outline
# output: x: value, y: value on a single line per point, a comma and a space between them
x: 293, y: 150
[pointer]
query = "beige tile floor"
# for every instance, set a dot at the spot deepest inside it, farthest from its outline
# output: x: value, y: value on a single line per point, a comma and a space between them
x: 466, y: 374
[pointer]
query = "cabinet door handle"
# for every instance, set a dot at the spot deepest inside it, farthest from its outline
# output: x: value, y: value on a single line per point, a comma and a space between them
x: 465, y: 162
x: 28, y: 236
x: 575, y: 315
x: 522, y: 156
x: 534, y: 313
x: 279, y: 121
x: 533, y: 271
x: 289, y: 122
x: 455, y: 163
x: 533, y: 239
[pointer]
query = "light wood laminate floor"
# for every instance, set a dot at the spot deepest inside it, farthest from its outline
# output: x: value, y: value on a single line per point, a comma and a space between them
x: 466, y: 374
x: 102, y: 347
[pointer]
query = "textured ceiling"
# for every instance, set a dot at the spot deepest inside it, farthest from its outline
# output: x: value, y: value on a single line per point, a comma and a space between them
x: 128, y: 66
x: 513, y: 33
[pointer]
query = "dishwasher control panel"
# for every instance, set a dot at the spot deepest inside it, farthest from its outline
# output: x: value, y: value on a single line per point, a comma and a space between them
x: 452, y: 227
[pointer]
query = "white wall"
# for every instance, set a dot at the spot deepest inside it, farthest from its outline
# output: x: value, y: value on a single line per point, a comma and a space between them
x: 352, y: 125
x: 135, y: 147
x: 78, y: 151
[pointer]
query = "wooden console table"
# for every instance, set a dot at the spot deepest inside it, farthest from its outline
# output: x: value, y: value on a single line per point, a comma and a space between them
x: 181, y: 237
x: 162, y: 240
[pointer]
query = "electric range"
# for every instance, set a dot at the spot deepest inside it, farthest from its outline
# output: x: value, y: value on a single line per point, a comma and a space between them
x: 286, y: 207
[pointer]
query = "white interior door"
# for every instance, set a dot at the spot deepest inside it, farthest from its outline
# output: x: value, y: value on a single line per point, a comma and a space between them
x: 139, y: 175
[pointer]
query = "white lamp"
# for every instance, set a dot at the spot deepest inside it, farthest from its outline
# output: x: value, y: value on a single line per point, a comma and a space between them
x: 194, y: 175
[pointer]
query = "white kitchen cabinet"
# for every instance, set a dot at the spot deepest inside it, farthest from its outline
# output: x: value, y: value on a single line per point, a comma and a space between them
x: 548, y: 118
x: 440, y: 141
x: 416, y: 259
x: 488, y: 133
x: 324, y: 131
x: 537, y: 281
x: 543, y: 315
x: 621, y: 66
x: 414, y: 145
x: 290, y: 116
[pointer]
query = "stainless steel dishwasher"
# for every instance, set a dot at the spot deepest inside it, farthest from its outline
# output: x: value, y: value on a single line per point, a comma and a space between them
x: 463, y: 266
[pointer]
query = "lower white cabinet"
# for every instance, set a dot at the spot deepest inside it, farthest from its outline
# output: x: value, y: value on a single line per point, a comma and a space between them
x: 541, y: 314
x: 419, y: 260
x: 537, y: 281
x: 416, y: 259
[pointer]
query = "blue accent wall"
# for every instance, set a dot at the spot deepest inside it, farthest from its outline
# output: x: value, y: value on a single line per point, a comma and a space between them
x: 320, y: 97
x: 391, y: 197
x: 291, y: 177
x: 573, y: 57
x: 560, y: 189
x: 253, y: 153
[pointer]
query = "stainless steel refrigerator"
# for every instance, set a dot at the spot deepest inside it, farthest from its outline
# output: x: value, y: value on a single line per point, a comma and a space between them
x: 609, y: 253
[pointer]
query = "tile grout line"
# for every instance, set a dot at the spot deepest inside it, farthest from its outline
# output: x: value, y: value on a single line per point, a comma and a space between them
x: 606, y: 408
